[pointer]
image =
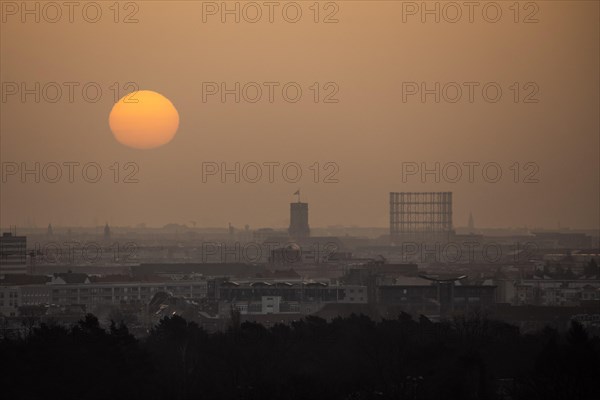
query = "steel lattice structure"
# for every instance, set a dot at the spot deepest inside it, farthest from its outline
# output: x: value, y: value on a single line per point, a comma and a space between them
x: 420, y: 216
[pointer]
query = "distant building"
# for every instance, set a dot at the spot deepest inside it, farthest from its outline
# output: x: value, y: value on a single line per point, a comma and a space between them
x: 299, y: 220
x: 89, y: 294
x: 69, y: 278
x: 438, y: 298
x: 106, y: 233
x: 560, y: 240
x: 471, y: 223
x: 420, y: 217
x: 9, y: 301
x: 13, y: 254
x: 314, y: 250
x: 555, y: 292
x: 290, y: 254
x: 291, y: 291
x: 177, y: 270
x: 231, y: 231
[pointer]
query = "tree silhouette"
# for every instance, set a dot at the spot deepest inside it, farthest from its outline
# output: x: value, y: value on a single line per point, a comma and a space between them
x: 345, y: 358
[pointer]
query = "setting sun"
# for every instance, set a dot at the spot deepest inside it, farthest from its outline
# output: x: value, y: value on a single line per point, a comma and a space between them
x: 144, y: 120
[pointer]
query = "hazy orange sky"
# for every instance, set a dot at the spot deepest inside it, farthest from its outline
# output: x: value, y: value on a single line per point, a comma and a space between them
x: 369, y: 133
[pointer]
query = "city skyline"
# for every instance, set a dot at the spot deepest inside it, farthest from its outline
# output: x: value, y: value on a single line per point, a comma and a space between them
x: 300, y: 200
x: 283, y: 223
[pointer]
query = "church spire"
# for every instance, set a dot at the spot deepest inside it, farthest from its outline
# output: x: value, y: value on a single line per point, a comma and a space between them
x: 106, y: 233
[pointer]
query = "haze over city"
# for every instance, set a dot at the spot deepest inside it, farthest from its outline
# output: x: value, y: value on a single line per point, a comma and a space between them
x: 310, y: 199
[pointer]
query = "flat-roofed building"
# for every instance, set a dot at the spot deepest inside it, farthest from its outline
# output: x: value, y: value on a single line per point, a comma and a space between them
x: 13, y: 254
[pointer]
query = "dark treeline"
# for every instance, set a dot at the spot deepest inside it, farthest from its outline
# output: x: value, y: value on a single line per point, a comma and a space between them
x: 348, y: 358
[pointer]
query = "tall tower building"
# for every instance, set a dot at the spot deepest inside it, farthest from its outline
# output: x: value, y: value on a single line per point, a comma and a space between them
x: 299, y: 220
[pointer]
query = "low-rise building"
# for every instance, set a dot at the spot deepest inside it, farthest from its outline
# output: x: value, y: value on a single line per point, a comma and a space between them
x: 556, y: 292
x: 298, y: 291
x: 90, y: 295
x: 438, y: 298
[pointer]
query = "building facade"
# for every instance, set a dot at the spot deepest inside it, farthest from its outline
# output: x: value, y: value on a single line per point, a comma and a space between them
x: 299, y: 220
x: 13, y: 254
